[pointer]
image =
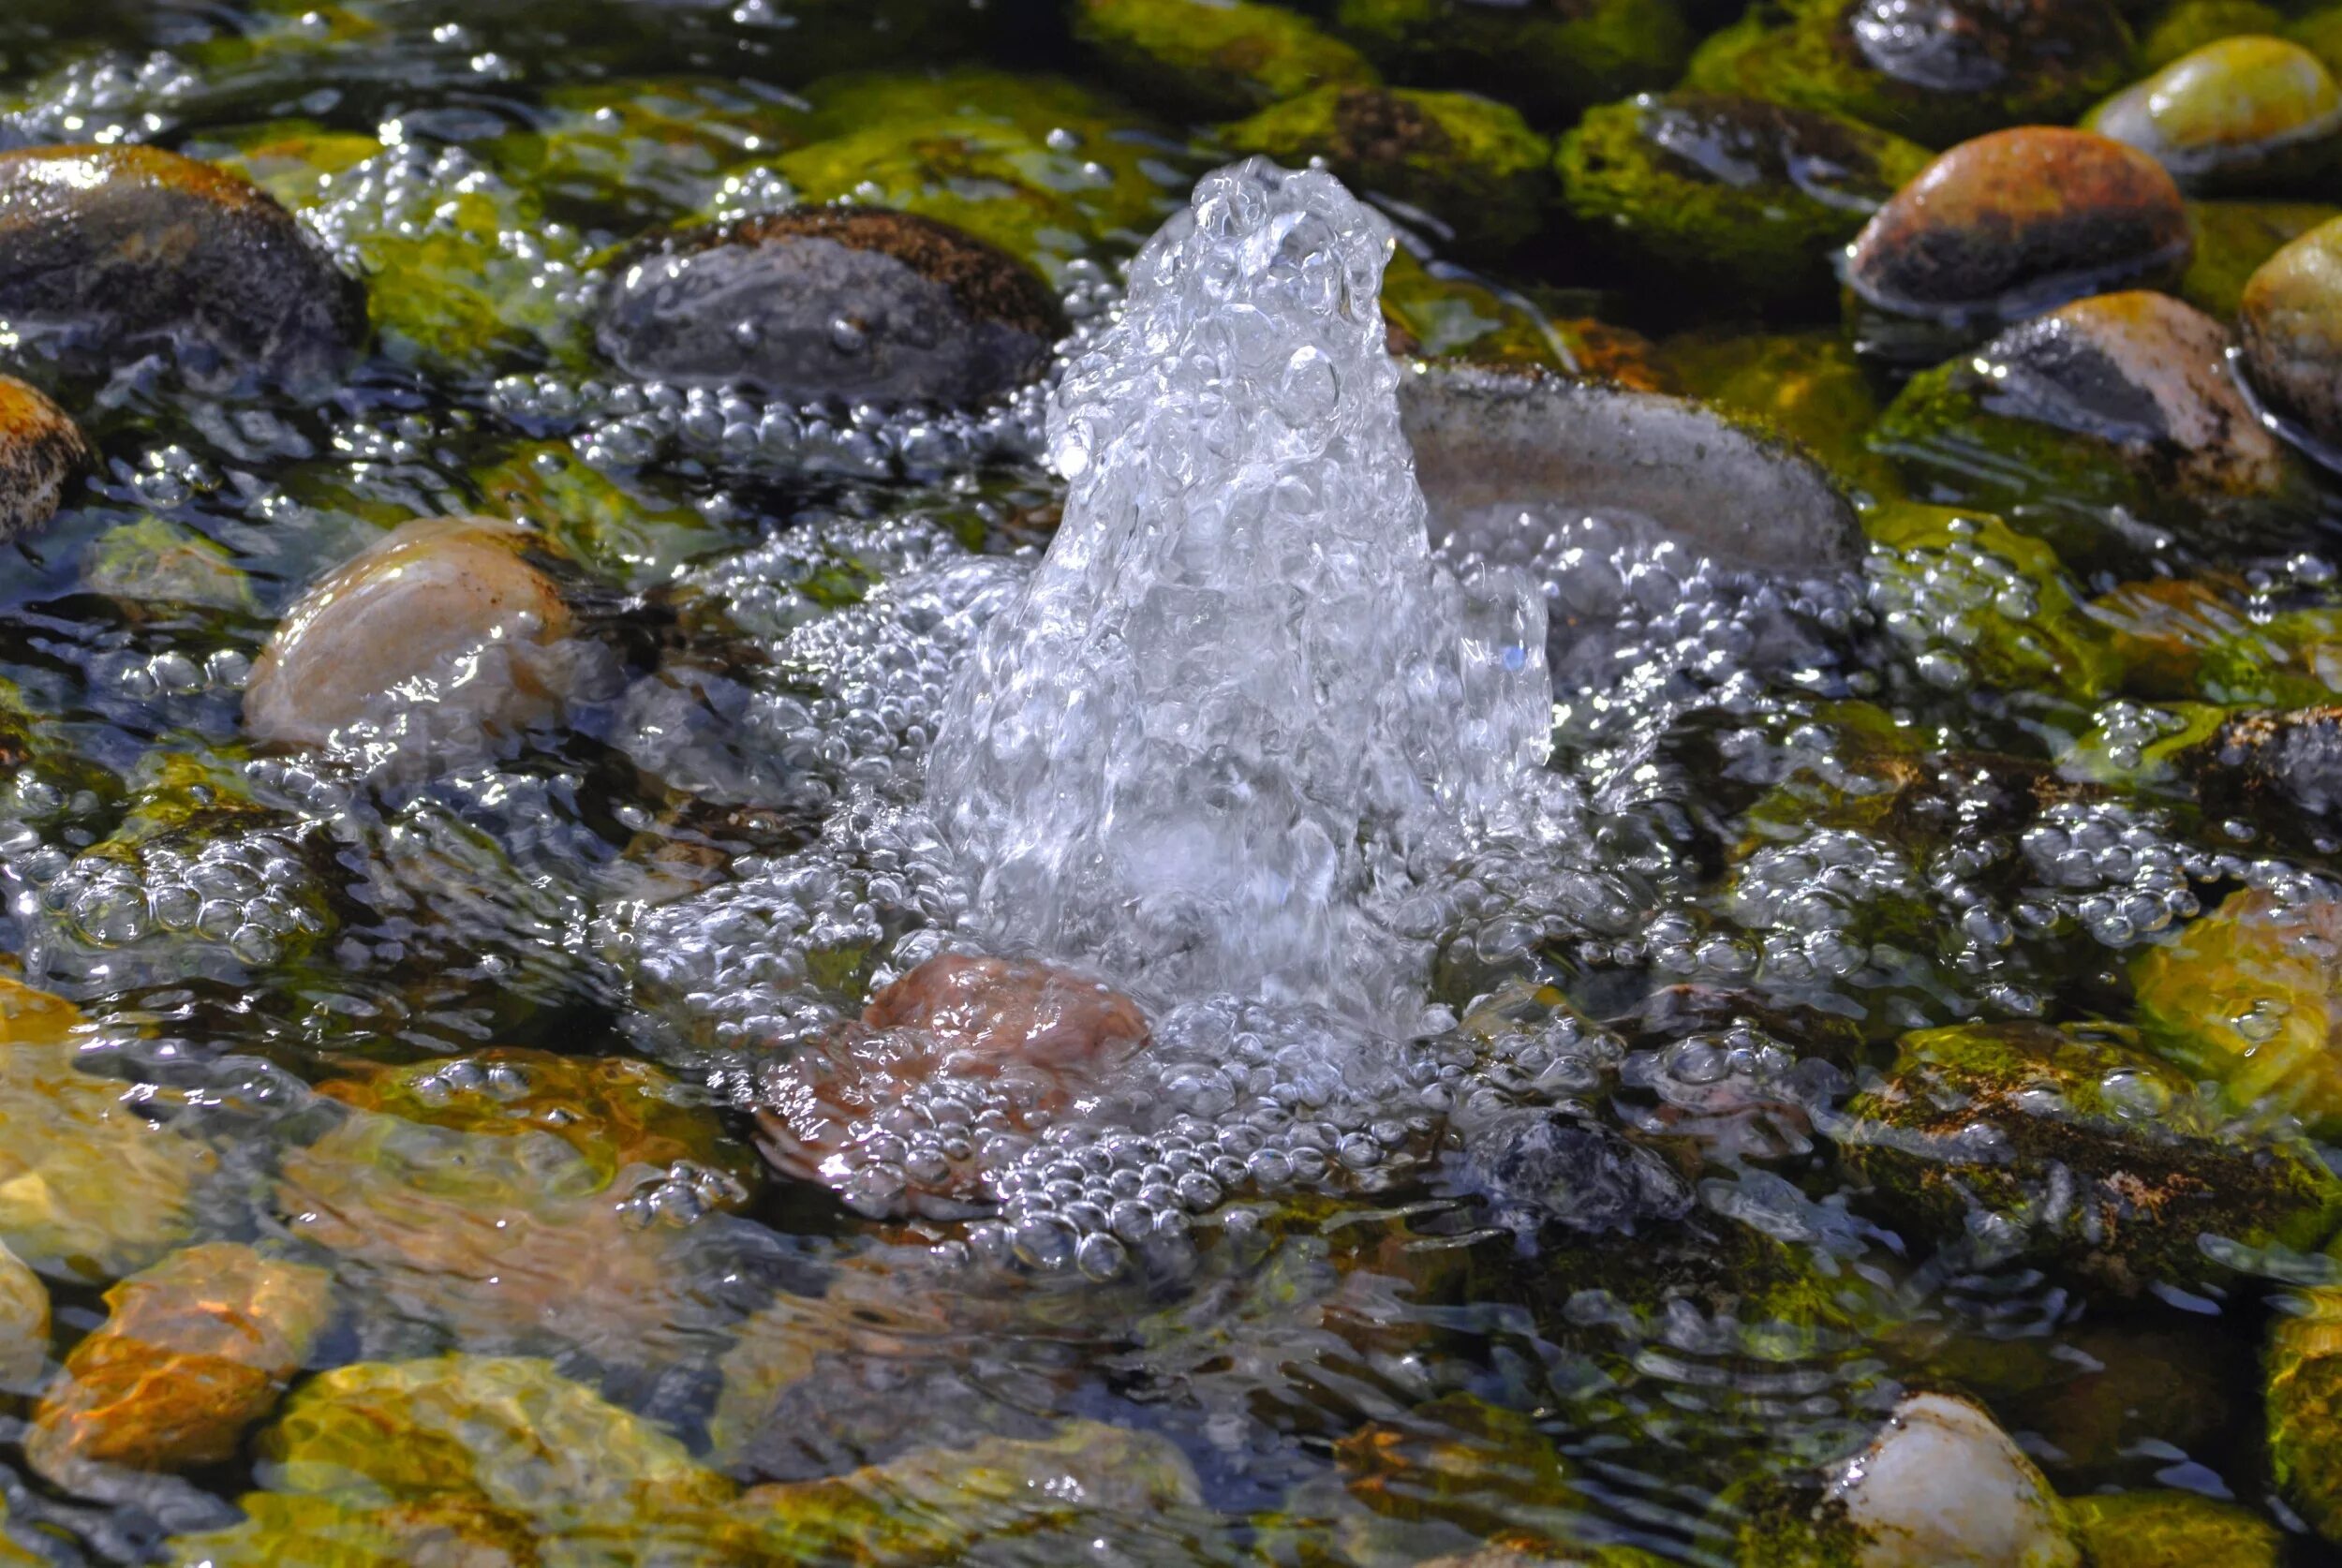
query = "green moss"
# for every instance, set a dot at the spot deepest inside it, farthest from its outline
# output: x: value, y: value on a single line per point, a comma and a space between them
x: 2165, y: 765
x: 2192, y: 23
x: 154, y: 562
x: 1807, y: 386
x: 640, y: 151
x: 2233, y: 239
x: 1211, y: 59
x: 1553, y: 61
x: 2104, y: 1161
x: 2303, y: 1407
x: 1472, y: 163
x: 2320, y: 33
x: 286, y: 158
x: 2001, y: 598
x: 1724, y: 190
x: 633, y: 529
x: 1040, y: 168
x: 2172, y: 1530
x: 1799, y: 53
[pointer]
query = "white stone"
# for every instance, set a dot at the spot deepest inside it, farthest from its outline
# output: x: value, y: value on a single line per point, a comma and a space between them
x: 1942, y: 1487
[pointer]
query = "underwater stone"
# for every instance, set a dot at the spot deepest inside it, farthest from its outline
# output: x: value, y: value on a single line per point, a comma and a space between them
x: 1491, y: 445
x: 41, y: 450
x: 128, y: 251
x: 1470, y: 162
x: 1553, y: 57
x: 1535, y: 1168
x: 193, y: 1351
x: 1942, y: 1484
x: 813, y: 302
x: 23, y: 1325
x: 155, y: 563
x: 2020, y: 1141
x: 2237, y: 114
x: 1936, y: 71
x: 450, y: 604
x: 1210, y: 59
x: 2290, y: 325
x: 2171, y: 1530
x: 2019, y: 221
x: 1731, y: 189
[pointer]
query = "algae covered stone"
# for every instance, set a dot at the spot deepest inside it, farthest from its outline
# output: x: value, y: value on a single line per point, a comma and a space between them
x: 1472, y: 163
x: 127, y: 251
x: 2250, y: 112
x: 152, y: 563
x: 2233, y: 241
x: 193, y: 1351
x: 41, y: 450
x: 2290, y: 321
x: 1208, y: 59
x: 853, y: 303
x: 2171, y: 1530
x: 2071, y: 1148
x: 1551, y: 57
x: 2303, y: 1402
x: 1725, y: 188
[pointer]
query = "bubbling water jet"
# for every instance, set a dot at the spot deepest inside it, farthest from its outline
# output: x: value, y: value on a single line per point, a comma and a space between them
x: 1239, y: 706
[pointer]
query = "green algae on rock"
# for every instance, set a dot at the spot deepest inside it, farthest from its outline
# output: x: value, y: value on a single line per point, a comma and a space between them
x: 41, y: 451
x: 152, y: 563
x: 2190, y: 24
x: 194, y: 1351
x: 2303, y: 1402
x: 1808, y: 386
x: 128, y: 251
x: 636, y: 529
x: 1443, y: 312
x: 2233, y: 241
x: 2006, y: 225
x: 1470, y: 162
x: 23, y: 1325
x: 853, y: 303
x: 1553, y: 58
x: 2171, y: 1530
x: 1721, y: 188
x: 649, y: 149
x: 1211, y: 59
x: 2290, y: 321
x: 1937, y: 75
x: 2242, y: 113
x: 2068, y: 1147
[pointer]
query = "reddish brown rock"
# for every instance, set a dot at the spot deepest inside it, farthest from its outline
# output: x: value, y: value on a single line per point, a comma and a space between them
x: 40, y: 450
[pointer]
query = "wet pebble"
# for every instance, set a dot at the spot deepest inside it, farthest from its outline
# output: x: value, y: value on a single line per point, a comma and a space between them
x: 2017, y: 222
x: 858, y: 303
x: 451, y: 603
x: 1941, y: 1483
x: 40, y: 450
x: 129, y: 251
x: 2290, y: 326
x: 2237, y: 113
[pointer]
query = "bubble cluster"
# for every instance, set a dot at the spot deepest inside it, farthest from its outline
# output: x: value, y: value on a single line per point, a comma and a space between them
x: 247, y: 896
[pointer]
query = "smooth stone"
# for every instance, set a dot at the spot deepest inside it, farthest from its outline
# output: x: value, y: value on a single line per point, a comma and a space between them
x: 23, y: 1325
x: 129, y: 251
x: 416, y: 606
x: 1490, y: 444
x: 2236, y: 108
x: 2290, y: 325
x: 2146, y: 373
x: 864, y: 304
x: 2019, y: 221
x: 1941, y: 1485
x: 1979, y: 46
x: 41, y: 450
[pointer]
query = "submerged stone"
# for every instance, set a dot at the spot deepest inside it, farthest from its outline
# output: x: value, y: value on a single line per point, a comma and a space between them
x: 129, y: 251
x: 23, y: 1325
x: 2171, y: 1530
x: 858, y: 303
x: 1440, y: 312
x: 193, y: 1351
x: 1210, y: 59
x: 2303, y: 1404
x: 1492, y: 446
x: 2290, y: 325
x: 451, y: 607
x: 2239, y: 113
x: 1553, y: 57
x: 1936, y: 73
x: 2012, y: 224
x: 2020, y: 1141
x: 1539, y: 1167
x: 154, y: 563
x: 1471, y: 164
x: 1725, y: 188
x: 41, y: 451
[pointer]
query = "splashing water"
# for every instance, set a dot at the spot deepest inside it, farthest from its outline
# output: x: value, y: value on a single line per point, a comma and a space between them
x: 1239, y: 701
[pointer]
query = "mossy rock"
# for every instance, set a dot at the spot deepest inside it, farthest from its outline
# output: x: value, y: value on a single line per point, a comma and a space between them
x: 2041, y: 61
x: 636, y: 530
x: 1554, y: 58
x: 2304, y: 1406
x: 1807, y: 386
x: 152, y: 564
x: 287, y: 157
x: 1439, y: 311
x: 2172, y: 1530
x: 2190, y: 24
x: 2166, y: 764
x: 1211, y: 59
x: 1965, y: 581
x: 2233, y: 239
x: 1470, y: 162
x: 642, y: 150
x: 1007, y: 159
x: 1732, y: 192
x: 2070, y: 1149
x: 2320, y: 33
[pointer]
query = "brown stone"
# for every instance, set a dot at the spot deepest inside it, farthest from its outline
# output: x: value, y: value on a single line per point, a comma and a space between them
x: 2020, y: 220
x: 40, y: 450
